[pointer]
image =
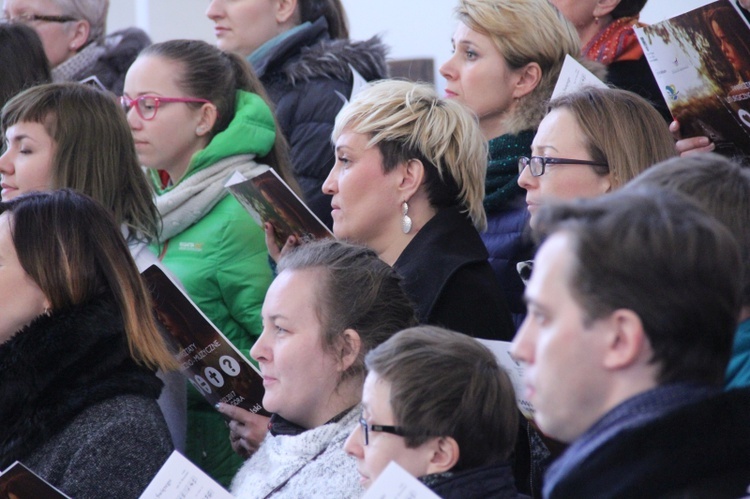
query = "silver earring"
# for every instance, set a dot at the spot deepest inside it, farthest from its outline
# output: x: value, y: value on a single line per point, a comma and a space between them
x: 199, y: 129
x: 405, y: 221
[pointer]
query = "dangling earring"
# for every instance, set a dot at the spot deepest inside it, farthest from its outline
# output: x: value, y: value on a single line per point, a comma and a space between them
x: 47, y: 311
x: 405, y: 221
x: 596, y: 20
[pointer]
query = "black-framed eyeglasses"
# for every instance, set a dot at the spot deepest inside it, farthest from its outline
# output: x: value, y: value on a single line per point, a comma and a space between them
x: 537, y: 164
x: 31, y: 18
x: 367, y: 428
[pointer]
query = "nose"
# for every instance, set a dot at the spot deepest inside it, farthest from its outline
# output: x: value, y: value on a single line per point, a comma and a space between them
x: 522, y: 348
x: 353, y: 445
x: 134, y: 120
x: 260, y: 351
x: 214, y: 11
x: 6, y: 164
x: 447, y: 70
x: 526, y: 180
x: 330, y: 186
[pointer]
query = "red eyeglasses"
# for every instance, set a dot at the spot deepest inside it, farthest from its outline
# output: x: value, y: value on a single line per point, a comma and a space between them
x: 147, y: 105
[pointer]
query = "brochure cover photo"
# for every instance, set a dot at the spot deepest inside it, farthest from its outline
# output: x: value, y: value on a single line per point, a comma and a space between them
x: 701, y: 60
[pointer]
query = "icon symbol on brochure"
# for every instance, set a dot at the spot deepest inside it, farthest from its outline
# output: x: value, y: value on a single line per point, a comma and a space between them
x: 229, y: 365
x: 674, y: 94
x: 200, y: 384
x: 214, y: 377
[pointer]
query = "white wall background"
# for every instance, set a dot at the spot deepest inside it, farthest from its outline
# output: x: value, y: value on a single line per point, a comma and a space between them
x: 412, y: 28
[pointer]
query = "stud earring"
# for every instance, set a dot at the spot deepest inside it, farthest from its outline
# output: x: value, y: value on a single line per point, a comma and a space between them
x: 405, y: 221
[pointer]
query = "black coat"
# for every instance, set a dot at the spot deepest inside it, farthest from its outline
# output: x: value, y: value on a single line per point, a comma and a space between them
x: 701, y: 450
x: 487, y: 482
x: 76, y: 409
x: 447, y: 276
x: 308, y: 76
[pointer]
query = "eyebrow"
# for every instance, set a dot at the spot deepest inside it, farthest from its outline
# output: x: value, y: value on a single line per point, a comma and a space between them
x: 543, y: 147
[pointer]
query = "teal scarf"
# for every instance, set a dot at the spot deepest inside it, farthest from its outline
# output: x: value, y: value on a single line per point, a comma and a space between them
x: 501, y: 184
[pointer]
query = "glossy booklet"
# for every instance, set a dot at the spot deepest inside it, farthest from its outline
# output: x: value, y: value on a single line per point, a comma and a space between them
x: 19, y: 482
x: 269, y: 199
x: 210, y: 362
x: 701, y: 61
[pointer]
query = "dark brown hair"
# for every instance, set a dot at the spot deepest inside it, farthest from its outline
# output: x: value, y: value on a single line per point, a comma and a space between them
x: 656, y: 253
x: 356, y: 290
x: 628, y: 8
x: 446, y: 384
x: 22, y: 59
x: 71, y: 247
x: 332, y: 10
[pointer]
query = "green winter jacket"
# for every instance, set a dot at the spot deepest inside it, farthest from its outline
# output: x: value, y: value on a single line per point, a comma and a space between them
x: 219, y: 254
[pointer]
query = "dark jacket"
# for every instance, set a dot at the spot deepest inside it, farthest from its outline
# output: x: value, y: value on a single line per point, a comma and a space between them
x: 121, y: 49
x: 699, y: 451
x: 447, y: 276
x: 308, y: 77
x: 76, y: 409
x: 486, y: 482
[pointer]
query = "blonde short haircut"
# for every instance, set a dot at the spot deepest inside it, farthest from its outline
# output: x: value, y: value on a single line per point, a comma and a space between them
x: 93, y: 11
x: 525, y: 31
x: 409, y: 121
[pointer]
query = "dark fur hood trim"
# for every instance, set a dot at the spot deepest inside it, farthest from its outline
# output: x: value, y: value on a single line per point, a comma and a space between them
x: 58, y: 366
x: 331, y: 59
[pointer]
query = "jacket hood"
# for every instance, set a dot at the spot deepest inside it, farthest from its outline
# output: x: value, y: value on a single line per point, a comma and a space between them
x: 310, y: 53
x: 251, y: 131
x: 332, y: 58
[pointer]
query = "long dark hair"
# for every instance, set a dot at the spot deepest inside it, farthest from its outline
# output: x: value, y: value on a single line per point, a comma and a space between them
x: 22, y: 60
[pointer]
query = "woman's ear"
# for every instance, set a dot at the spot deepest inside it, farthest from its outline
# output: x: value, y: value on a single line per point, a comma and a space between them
x: 412, y: 177
x: 349, y: 347
x: 445, y: 454
x: 528, y: 78
x: 208, y: 117
x: 285, y: 11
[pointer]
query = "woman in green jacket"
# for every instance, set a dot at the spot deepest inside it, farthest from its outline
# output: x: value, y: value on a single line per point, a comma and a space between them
x: 196, y: 116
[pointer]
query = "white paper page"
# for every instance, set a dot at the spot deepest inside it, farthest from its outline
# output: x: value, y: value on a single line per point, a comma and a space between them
x: 574, y: 76
x: 181, y: 479
x: 395, y: 483
x: 515, y: 369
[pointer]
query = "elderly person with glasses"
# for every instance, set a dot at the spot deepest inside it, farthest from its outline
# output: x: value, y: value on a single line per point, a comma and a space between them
x: 592, y: 142
x: 73, y: 36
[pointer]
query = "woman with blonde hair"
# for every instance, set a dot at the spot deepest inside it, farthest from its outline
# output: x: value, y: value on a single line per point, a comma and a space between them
x: 408, y: 183
x: 78, y: 350
x: 506, y: 59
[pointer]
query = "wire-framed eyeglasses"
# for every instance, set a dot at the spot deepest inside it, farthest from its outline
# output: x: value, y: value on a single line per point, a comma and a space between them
x: 147, y: 105
x: 367, y: 428
x: 32, y: 18
x: 537, y: 164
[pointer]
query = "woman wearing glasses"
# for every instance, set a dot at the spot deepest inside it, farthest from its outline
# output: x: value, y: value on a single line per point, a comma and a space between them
x: 507, y: 55
x: 591, y: 142
x: 73, y: 35
x: 196, y: 116
x: 437, y: 403
x: 331, y: 303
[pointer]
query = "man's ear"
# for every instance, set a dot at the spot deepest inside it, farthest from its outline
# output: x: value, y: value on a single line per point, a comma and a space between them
x: 527, y: 79
x: 605, y: 7
x: 411, y: 178
x: 349, y: 346
x: 445, y: 454
x: 81, y: 30
x: 285, y: 10
x: 627, y: 341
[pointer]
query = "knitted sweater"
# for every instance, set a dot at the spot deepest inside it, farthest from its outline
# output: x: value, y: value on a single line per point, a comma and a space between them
x: 311, y: 464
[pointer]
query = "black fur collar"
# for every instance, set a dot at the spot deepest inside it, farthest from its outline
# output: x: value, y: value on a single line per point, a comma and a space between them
x: 59, y: 365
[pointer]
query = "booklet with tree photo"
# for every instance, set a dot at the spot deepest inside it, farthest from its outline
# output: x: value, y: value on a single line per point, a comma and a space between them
x: 19, y: 482
x: 269, y: 199
x: 701, y: 61
x: 209, y: 361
